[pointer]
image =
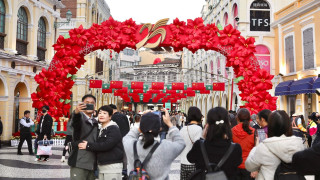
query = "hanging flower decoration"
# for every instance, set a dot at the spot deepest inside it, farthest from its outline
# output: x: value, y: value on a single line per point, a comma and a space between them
x: 55, y: 83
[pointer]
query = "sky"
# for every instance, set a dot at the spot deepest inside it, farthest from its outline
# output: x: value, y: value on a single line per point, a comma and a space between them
x: 150, y: 11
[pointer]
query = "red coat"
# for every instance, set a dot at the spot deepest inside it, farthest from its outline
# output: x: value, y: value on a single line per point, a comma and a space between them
x: 245, y: 140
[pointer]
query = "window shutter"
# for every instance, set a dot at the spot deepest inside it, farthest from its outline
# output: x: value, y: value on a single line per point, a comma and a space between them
x: 308, y: 48
x: 289, y: 54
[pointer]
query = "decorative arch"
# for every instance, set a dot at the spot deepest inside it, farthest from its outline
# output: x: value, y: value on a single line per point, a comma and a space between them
x: 28, y: 9
x: 5, y: 84
x: 117, y: 36
x: 25, y: 82
x: 47, y: 19
x: 8, y: 5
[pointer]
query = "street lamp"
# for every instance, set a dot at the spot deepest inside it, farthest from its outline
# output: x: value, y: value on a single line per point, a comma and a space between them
x: 68, y: 17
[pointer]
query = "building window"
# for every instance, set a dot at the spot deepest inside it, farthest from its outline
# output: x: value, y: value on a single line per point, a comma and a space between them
x: 308, y: 49
x: 205, y: 73
x: 2, y: 23
x: 200, y: 73
x: 41, y: 49
x: 225, y: 19
x: 99, y: 66
x: 22, y: 32
x: 235, y: 14
x: 260, y: 16
x: 110, y: 73
x: 263, y: 56
x: 212, y: 73
x: 289, y: 50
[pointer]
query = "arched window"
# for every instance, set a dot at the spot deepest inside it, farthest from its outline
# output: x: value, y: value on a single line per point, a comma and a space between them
x: 218, y: 22
x: 41, y: 49
x: 2, y: 23
x: 263, y: 56
x: 225, y: 19
x: 235, y: 14
x: 260, y: 16
x: 22, y: 32
x: 201, y: 74
x: 211, y: 67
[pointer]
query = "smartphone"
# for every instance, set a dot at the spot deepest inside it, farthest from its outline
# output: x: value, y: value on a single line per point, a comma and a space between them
x: 89, y: 107
x: 261, y: 134
x: 160, y: 114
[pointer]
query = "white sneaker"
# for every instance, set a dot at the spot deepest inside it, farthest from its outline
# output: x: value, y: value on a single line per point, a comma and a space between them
x: 37, y: 159
x: 63, y: 159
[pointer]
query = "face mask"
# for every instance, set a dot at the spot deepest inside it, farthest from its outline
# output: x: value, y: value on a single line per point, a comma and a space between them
x: 44, y: 111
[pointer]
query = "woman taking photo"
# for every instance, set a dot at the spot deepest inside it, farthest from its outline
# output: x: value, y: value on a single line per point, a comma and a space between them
x: 217, y: 142
x: 244, y: 135
x: 108, y: 148
x: 158, y: 166
x: 279, y: 146
x: 190, y: 133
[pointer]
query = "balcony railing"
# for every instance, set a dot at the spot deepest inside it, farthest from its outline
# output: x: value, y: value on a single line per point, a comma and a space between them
x: 41, y: 53
x: 22, y: 46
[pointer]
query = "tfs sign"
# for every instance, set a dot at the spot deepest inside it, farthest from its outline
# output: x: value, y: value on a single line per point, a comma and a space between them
x: 259, y: 20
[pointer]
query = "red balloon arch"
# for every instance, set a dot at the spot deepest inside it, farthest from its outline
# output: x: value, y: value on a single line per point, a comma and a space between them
x: 55, y: 83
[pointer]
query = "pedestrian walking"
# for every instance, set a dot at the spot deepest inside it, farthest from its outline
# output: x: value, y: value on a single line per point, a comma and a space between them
x: 67, y: 140
x: 85, y: 128
x: 244, y: 135
x: 25, y: 132
x: 108, y: 147
x: 317, y: 138
x: 43, y: 131
x: 136, y: 123
x: 278, y: 147
x: 298, y: 125
x: 1, y: 129
x: 312, y: 128
x: 190, y: 133
x: 218, y: 139
x: 158, y: 167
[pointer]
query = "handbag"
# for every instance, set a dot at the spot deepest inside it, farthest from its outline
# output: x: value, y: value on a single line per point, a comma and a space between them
x: 44, y: 150
x: 73, y: 149
x: 45, y: 142
x: 216, y: 173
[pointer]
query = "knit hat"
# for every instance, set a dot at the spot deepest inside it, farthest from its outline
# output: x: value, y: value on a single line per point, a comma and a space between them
x: 150, y: 122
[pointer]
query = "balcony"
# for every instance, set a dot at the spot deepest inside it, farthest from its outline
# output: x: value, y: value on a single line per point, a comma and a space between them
x: 41, y: 53
x: 22, y: 47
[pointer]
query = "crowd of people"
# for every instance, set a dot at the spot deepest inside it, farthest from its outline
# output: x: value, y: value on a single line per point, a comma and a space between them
x: 111, y: 145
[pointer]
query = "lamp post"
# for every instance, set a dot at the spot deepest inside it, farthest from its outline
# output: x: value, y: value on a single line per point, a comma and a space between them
x: 68, y: 17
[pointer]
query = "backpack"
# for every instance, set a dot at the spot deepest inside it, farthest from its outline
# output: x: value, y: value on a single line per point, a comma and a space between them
x: 285, y: 172
x: 216, y: 173
x: 138, y: 173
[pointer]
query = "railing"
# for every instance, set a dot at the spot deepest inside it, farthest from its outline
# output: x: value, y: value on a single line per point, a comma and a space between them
x: 41, y: 53
x: 22, y: 46
x: 56, y: 142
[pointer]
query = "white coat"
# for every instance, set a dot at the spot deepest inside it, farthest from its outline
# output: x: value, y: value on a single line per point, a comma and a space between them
x: 267, y: 156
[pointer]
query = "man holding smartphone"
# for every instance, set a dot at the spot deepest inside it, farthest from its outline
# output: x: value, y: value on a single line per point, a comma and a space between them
x: 85, y: 127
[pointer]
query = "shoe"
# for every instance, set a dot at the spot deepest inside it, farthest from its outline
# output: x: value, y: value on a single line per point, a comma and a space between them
x: 37, y: 159
x: 19, y: 153
x: 32, y: 154
x: 46, y: 159
x: 63, y: 159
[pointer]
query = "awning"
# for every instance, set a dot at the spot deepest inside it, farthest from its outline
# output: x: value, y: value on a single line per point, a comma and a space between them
x: 283, y: 88
x: 316, y: 84
x: 302, y: 86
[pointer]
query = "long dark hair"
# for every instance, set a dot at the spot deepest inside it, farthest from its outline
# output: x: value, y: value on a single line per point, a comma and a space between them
x: 264, y: 114
x: 244, y: 117
x: 148, y: 138
x: 218, y: 131
x: 279, y: 124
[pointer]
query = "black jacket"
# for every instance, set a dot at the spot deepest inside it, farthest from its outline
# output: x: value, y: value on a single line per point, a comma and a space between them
x: 1, y: 127
x: 108, y: 147
x: 307, y: 162
x: 216, y: 151
x: 122, y: 122
x: 46, y: 122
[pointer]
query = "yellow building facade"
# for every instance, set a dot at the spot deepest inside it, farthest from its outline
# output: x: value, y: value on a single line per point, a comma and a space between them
x: 26, y: 36
x: 297, y: 57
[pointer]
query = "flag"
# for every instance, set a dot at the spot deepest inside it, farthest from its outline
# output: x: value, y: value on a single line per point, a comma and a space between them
x: 169, y: 87
x: 185, y: 87
x: 136, y: 85
x: 136, y: 90
x: 204, y: 92
x: 198, y: 86
x: 145, y: 87
x: 191, y: 93
x: 218, y: 86
x: 95, y: 84
x: 177, y: 86
x: 123, y: 90
x: 116, y: 84
x: 157, y: 85
x: 209, y: 87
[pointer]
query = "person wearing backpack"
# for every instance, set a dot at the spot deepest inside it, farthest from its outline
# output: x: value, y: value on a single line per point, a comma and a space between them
x: 162, y: 155
x: 108, y: 147
x: 190, y: 133
x: 244, y: 135
x: 278, y: 147
x: 218, y: 140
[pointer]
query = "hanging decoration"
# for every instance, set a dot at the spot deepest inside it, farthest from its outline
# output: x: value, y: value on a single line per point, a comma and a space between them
x: 116, y: 36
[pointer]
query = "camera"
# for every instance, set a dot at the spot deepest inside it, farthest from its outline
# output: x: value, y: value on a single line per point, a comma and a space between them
x: 236, y: 18
x: 89, y: 107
